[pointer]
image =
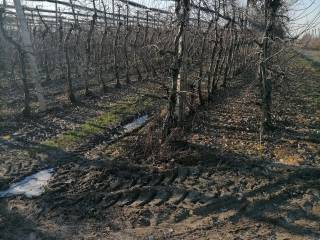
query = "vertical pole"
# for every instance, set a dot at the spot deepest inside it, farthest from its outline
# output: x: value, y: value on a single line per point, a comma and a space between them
x: 199, y: 13
x: 147, y: 19
x: 56, y: 7
x: 32, y: 18
x: 158, y: 22
x: 27, y: 45
x: 113, y: 17
x: 138, y: 17
x: 146, y: 29
x: 127, y: 6
x: 119, y: 11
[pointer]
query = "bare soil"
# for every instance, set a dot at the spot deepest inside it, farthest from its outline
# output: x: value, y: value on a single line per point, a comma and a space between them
x: 218, y: 179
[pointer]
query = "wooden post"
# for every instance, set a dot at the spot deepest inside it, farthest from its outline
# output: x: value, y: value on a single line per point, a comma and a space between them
x: 28, y: 47
x: 88, y: 49
x: 147, y: 19
x: 119, y: 12
x: 115, y: 51
x: 113, y: 17
x: 138, y: 17
x: 56, y: 7
x: 146, y: 29
x: 127, y: 8
x: 199, y: 14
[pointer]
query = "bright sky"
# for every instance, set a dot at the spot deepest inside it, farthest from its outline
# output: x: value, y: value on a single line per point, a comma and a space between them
x: 304, y: 14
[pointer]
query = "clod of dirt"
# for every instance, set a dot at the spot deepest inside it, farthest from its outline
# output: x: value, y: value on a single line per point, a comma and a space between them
x: 181, y: 215
x: 143, y: 219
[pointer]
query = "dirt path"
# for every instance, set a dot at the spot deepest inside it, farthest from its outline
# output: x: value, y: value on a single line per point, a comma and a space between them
x: 222, y: 180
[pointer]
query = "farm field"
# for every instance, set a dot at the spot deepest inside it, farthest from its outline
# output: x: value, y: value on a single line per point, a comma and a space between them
x: 148, y: 120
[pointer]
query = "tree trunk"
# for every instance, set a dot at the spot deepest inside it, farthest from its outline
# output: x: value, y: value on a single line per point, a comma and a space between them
x: 135, y: 55
x: 115, y: 56
x: 176, y: 99
x: 271, y: 8
x: 228, y: 63
x: 102, y: 57
x: 210, y: 84
x: 203, y: 48
x: 125, y: 50
x: 88, y: 52
x: 26, y: 110
x: 70, y: 93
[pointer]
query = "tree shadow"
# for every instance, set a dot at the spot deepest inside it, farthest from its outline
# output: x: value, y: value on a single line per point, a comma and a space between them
x: 281, y: 184
x: 14, y: 226
x: 265, y: 203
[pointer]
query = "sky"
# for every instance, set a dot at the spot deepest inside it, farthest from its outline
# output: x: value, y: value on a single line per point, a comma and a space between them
x: 304, y: 14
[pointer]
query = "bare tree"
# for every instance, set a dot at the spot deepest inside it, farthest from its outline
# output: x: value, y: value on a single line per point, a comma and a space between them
x: 271, y: 8
x: 70, y: 93
x: 182, y: 14
x: 88, y: 49
x: 115, y: 52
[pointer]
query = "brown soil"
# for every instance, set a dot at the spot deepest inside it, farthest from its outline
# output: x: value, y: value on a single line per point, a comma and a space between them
x: 220, y: 179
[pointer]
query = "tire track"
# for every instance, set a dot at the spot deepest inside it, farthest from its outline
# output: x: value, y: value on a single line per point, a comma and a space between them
x: 149, y: 197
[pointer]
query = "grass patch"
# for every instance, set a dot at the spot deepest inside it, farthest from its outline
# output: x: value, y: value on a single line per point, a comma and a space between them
x: 310, y: 90
x: 116, y: 113
x: 315, y: 97
x: 308, y: 63
x: 6, y: 137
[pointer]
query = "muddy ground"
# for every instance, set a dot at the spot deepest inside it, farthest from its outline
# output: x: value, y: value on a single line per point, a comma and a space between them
x: 217, y: 179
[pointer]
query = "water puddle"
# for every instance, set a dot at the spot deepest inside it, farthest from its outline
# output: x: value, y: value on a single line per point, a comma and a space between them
x: 135, y: 124
x: 31, y: 186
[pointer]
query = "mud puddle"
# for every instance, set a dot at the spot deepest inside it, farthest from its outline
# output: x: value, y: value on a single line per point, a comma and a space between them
x: 138, y: 122
x: 31, y: 186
